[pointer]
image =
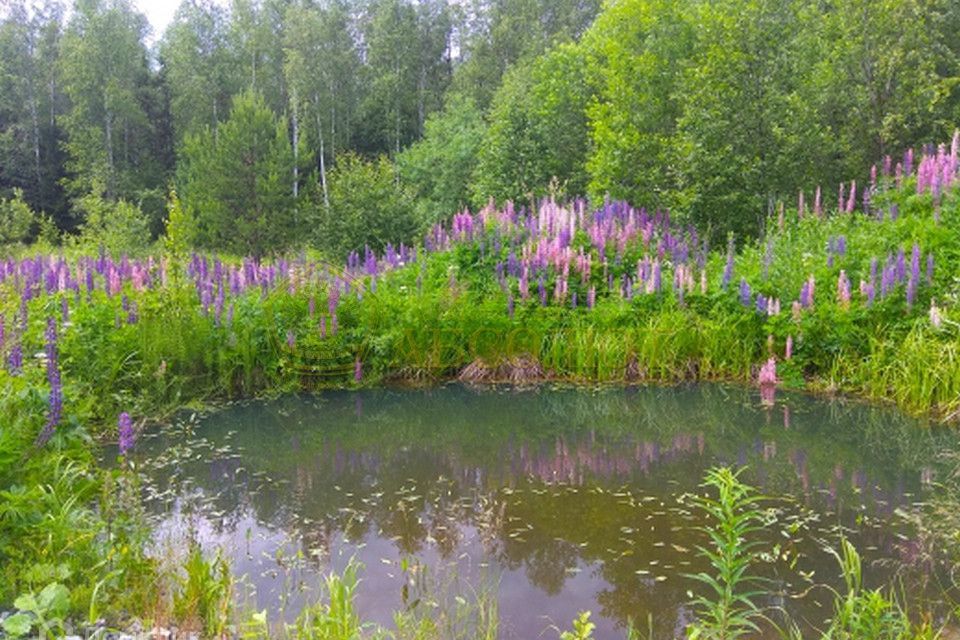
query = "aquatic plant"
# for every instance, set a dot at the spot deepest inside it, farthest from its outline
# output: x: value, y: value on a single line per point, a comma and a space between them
x: 729, y: 611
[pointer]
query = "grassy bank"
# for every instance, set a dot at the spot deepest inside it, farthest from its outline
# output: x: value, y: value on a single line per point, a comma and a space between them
x: 859, y: 299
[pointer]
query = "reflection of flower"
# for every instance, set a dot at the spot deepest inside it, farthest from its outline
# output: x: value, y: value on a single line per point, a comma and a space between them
x: 767, y: 379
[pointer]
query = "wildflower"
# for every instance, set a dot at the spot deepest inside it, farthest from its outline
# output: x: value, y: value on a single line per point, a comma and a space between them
x: 935, y: 318
x: 761, y: 303
x: 125, y: 431
x: 788, y: 350
x: 357, y: 370
x: 745, y: 293
x: 767, y: 379
x: 291, y: 339
x: 843, y: 289
x: 728, y: 269
x: 852, y: 200
x: 929, y: 272
x: 510, y: 303
x: 55, y: 403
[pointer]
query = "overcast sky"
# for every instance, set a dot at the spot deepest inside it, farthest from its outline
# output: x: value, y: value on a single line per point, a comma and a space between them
x: 159, y: 13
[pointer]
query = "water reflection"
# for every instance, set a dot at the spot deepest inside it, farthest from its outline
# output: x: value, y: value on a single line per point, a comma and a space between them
x: 575, y: 499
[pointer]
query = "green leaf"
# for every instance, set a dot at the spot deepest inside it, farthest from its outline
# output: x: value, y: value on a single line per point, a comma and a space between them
x: 18, y: 625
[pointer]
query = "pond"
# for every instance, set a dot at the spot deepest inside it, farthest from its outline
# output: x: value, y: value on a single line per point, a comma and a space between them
x: 544, y: 501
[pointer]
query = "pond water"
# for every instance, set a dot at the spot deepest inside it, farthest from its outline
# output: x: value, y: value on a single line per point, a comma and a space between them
x: 544, y: 501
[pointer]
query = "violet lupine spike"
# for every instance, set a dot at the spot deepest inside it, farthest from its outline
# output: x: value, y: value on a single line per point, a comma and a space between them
x: 761, y: 304
x: 745, y: 294
x: 55, y: 402
x: 291, y: 339
x: 15, y: 360
x: 357, y: 370
x: 728, y: 269
x: 788, y: 350
x: 127, y: 438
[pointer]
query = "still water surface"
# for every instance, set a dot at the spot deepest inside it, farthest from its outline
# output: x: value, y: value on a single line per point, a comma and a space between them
x: 546, y: 501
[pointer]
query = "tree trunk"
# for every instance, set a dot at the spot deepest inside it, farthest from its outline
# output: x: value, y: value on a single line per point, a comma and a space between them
x: 323, y: 163
x: 108, y: 129
x: 296, y: 144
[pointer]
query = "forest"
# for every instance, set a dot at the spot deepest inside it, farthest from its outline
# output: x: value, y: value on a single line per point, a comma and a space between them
x: 351, y: 123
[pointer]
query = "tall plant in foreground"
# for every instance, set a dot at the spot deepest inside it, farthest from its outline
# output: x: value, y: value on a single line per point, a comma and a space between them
x: 730, y: 611
x: 867, y: 613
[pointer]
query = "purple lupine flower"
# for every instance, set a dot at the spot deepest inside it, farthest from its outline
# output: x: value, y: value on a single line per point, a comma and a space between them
x: 767, y: 258
x: 745, y: 294
x: 55, y: 404
x: 915, y: 263
x: 15, y: 360
x: 591, y: 297
x: 357, y: 370
x: 761, y: 304
x: 126, y: 435
x: 788, y: 350
x: 929, y: 272
x: 291, y: 339
x: 323, y: 327
x: 728, y: 269
x: 510, y: 304
x: 64, y: 310
x: 657, y: 277
x: 911, y: 292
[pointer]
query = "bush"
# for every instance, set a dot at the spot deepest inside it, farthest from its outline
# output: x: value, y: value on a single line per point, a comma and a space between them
x: 367, y: 208
x: 16, y: 218
x: 115, y: 226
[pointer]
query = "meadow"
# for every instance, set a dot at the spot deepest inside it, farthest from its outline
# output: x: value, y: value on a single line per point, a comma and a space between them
x: 855, y: 296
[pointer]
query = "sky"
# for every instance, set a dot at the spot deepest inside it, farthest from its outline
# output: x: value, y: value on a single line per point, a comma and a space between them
x: 159, y: 13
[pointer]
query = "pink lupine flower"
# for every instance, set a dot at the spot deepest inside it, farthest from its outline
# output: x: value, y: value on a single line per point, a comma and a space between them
x: 767, y: 379
x: 843, y: 289
x: 788, y: 351
x: 935, y: 318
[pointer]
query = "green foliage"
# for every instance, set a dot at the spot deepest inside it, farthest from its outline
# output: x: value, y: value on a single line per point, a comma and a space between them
x: 438, y: 167
x: 582, y: 628
x: 729, y: 611
x: 337, y: 618
x: 367, y: 208
x: 47, y: 611
x: 116, y: 226
x: 181, y: 228
x: 205, y: 596
x: 110, y: 124
x: 638, y: 50
x: 866, y: 614
x: 237, y: 181
x: 537, y: 136
x: 16, y: 218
